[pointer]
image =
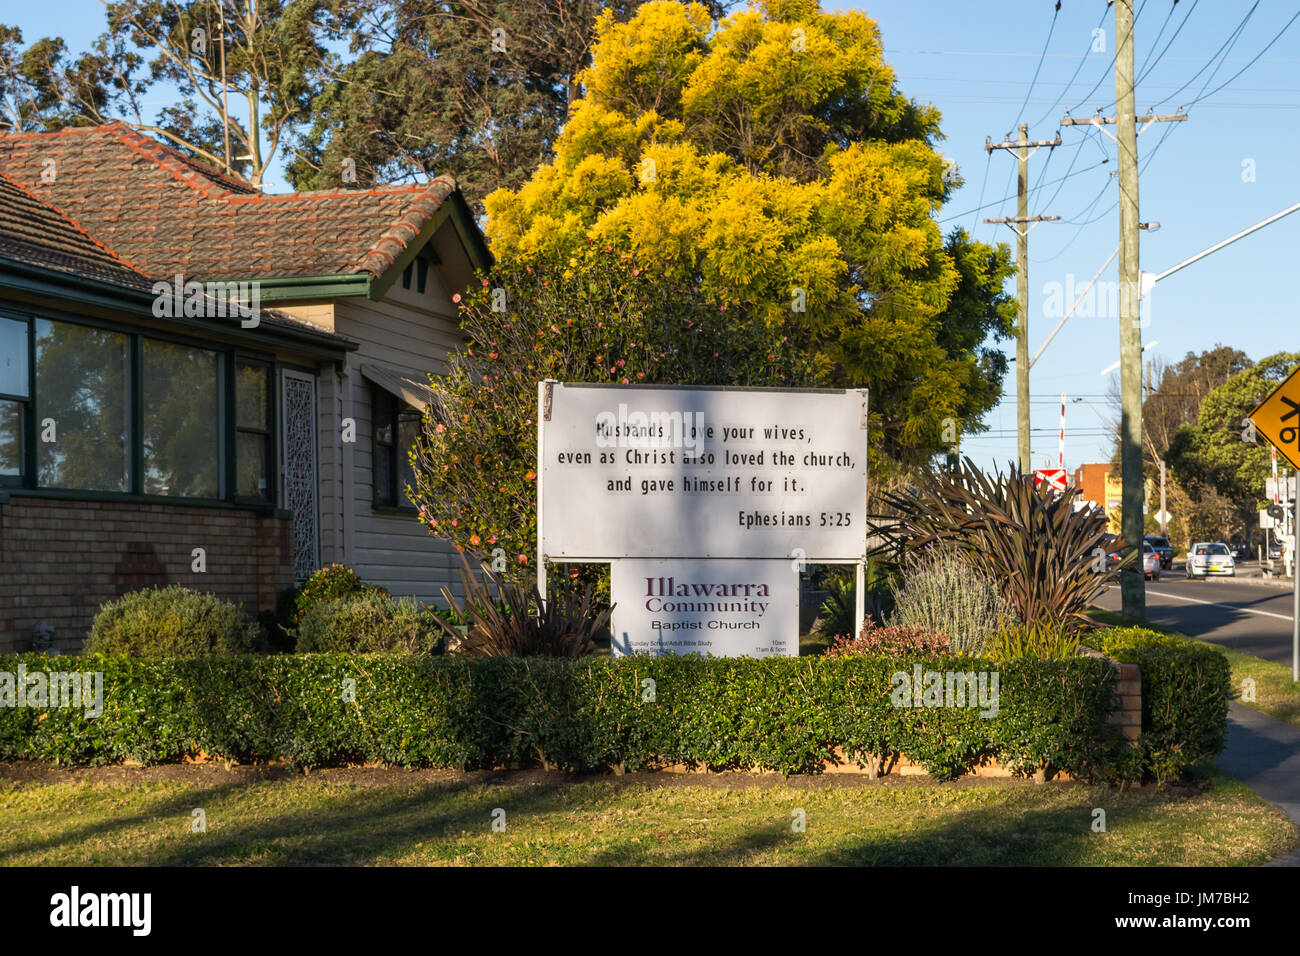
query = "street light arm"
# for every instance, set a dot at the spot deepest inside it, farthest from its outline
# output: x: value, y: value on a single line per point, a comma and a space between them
x: 1149, y: 280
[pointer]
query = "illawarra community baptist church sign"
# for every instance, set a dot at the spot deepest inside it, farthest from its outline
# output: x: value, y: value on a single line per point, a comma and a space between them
x: 706, y: 503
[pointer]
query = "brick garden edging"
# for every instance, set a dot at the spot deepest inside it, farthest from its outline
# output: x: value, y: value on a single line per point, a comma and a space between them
x: 1127, y: 717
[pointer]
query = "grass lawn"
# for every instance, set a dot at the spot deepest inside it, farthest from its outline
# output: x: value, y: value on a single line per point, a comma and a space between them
x: 137, y: 817
x: 1275, y: 694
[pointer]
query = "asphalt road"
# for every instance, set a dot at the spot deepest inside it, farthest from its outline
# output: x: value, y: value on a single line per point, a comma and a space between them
x: 1254, y: 618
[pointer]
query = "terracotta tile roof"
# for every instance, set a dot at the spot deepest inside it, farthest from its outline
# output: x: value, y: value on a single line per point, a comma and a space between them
x: 163, y: 213
x: 35, y: 234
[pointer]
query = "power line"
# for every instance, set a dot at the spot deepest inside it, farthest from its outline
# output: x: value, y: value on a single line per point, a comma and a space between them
x: 1253, y: 61
x: 1223, y: 49
x: 1161, y: 32
x: 1050, y: 30
x: 1003, y: 200
x: 1082, y: 61
x: 1146, y: 70
x: 988, y: 162
x: 1109, y: 67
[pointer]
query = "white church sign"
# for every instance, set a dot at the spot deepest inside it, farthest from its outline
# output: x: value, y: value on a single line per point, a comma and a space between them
x: 712, y: 607
x: 647, y: 472
x: 706, y: 502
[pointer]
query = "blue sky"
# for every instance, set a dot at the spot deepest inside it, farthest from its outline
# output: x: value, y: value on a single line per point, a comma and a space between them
x: 975, y: 60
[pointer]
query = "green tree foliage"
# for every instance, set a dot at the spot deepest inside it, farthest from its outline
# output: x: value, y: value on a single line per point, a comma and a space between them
x: 595, y: 316
x: 476, y: 88
x: 769, y: 159
x: 1173, y: 400
x: 44, y: 88
x: 1211, y: 455
x: 247, y: 72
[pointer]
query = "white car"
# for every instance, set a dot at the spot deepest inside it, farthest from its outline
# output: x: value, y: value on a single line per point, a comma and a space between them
x: 1150, y: 562
x: 1210, y: 557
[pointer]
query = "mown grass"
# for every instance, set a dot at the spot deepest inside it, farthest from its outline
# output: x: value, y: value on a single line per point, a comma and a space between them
x: 1274, y: 692
x: 333, y: 818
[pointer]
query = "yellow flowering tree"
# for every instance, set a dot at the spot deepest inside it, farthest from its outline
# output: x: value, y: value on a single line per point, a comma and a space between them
x: 769, y: 160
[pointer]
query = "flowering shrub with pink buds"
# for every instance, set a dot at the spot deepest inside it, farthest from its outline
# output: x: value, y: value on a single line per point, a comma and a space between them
x: 889, y: 641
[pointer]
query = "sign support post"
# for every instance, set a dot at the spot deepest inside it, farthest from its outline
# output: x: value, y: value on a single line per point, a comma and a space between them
x: 1277, y: 418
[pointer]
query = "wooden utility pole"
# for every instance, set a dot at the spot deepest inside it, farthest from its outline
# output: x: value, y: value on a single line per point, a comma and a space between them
x: 1125, y: 120
x: 1022, y: 222
x: 1132, y: 588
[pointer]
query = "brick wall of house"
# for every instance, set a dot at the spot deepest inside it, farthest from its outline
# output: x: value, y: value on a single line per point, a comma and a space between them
x: 59, y: 560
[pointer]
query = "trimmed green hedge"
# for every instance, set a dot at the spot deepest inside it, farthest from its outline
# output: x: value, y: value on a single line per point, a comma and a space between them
x: 1186, y: 689
x: 589, y: 714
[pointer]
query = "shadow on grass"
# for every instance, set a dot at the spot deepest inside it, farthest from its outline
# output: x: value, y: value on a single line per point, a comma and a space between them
x: 365, y: 827
x: 181, y: 804
x: 343, y: 825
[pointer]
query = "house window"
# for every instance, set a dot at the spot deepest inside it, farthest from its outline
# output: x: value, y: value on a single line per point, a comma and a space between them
x: 92, y: 409
x: 14, y: 394
x: 181, y: 420
x: 396, y: 426
x: 254, y: 434
x: 11, y: 438
x: 82, y: 407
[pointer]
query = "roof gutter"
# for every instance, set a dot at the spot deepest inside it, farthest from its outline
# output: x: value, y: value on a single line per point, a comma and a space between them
x: 69, y: 287
x: 294, y: 288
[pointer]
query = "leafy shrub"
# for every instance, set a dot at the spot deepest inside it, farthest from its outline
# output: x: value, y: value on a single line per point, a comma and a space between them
x: 1186, y: 689
x: 367, y: 622
x: 506, y: 620
x: 835, y: 618
x: 1044, y: 641
x: 892, y: 640
x: 329, y: 584
x: 943, y: 594
x: 1037, y: 548
x: 279, y: 626
x: 586, y: 714
x: 171, y: 621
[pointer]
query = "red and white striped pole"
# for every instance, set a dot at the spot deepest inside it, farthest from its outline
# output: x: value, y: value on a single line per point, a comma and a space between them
x: 1061, y: 461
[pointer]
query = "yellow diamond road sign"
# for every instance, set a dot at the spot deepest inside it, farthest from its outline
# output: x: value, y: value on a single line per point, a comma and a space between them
x: 1277, y: 418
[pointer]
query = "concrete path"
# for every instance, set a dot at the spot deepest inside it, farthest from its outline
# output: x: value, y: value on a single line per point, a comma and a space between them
x: 1264, y: 754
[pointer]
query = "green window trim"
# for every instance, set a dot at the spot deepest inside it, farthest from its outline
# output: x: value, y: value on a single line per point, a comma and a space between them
x: 228, y: 358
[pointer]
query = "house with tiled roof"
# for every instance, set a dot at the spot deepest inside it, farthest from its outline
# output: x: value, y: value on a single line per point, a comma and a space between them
x: 208, y: 385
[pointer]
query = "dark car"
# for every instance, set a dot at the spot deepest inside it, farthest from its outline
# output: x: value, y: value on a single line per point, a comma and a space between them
x: 1162, y: 548
x: 1240, y: 550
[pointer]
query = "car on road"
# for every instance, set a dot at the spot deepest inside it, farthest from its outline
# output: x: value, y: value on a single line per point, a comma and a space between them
x: 1162, y: 548
x: 1210, y: 557
x: 1151, y: 562
x: 1240, y: 550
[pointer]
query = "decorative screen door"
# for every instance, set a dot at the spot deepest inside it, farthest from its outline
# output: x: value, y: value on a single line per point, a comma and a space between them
x: 298, y: 466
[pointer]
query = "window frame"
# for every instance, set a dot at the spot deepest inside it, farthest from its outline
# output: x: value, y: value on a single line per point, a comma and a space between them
x: 228, y: 356
x: 269, y: 435
x: 398, y: 502
x: 26, y: 451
